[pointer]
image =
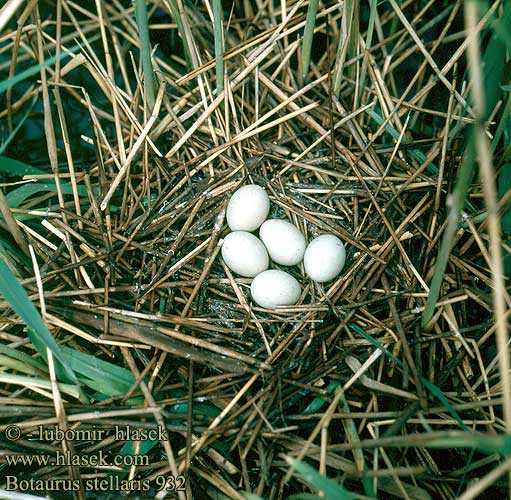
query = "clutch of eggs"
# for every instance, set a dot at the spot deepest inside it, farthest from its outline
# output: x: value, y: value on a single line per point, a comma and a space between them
x: 280, y: 241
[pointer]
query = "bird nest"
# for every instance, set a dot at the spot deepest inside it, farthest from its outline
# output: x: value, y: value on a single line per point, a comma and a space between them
x: 120, y: 155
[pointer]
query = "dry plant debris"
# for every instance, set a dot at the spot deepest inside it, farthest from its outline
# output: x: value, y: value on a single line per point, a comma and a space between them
x: 124, y: 130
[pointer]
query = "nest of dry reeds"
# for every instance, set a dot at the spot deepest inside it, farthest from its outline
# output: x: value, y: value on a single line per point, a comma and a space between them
x: 125, y: 129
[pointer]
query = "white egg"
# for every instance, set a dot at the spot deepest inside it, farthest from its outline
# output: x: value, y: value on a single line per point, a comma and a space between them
x: 324, y: 258
x: 284, y: 242
x: 275, y: 288
x: 248, y: 208
x: 244, y: 254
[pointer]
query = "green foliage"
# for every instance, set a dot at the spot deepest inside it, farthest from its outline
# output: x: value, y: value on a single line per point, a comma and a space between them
x: 38, y: 332
x: 219, y: 45
x: 457, y: 200
x: 504, y: 127
x: 308, y: 34
x: 40, y: 383
x: 130, y: 448
x: 304, y: 496
x: 176, y: 14
x: 368, y: 44
x: 20, y: 361
x: 15, y: 168
x: 352, y: 433
x: 23, y: 119
x: 330, y: 489
x: 424, y: 381
x: 145, y: 51
x: 496, y: 75
x: 417, y: 154
x: 504, y: 185
x: 500, y: 445
x: 101, y: 376
x: 496, y: 71
x: 17, y: 196
x: 317, y: 403
x: 36, y: 68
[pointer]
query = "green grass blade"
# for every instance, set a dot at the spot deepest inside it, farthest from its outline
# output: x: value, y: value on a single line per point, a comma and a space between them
x: 18, y: 366
x: 504, y: 184
x: 38, y: 332
x: 13, y: 167
x: 504, y: 124
x: 352, y: 433
x: 425, y: 382
x: 330, y: 489
x: 375, y: 343
x: 102, y: 387
x: 22, y: 357
x: 31, y: 71
x: 489, y: 444
x: 465, y: 177
x: 25, y: 381
x: 201, y: 409
x: 36, y: 69
x: 308, y: 34
x: 145, y: 51
x: 130, y: 449
x: 101, y: 376
x: 6, y: 248
x: 9, y: 139
x: 348, y: 42
x: 219, y: 45
x: 495, y: 68
x: 317, y: 403
x: 304, y: 496
x: 368, y: 43
x: 17, y: 196
x: 417, y: 154
x: 181, y: 30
